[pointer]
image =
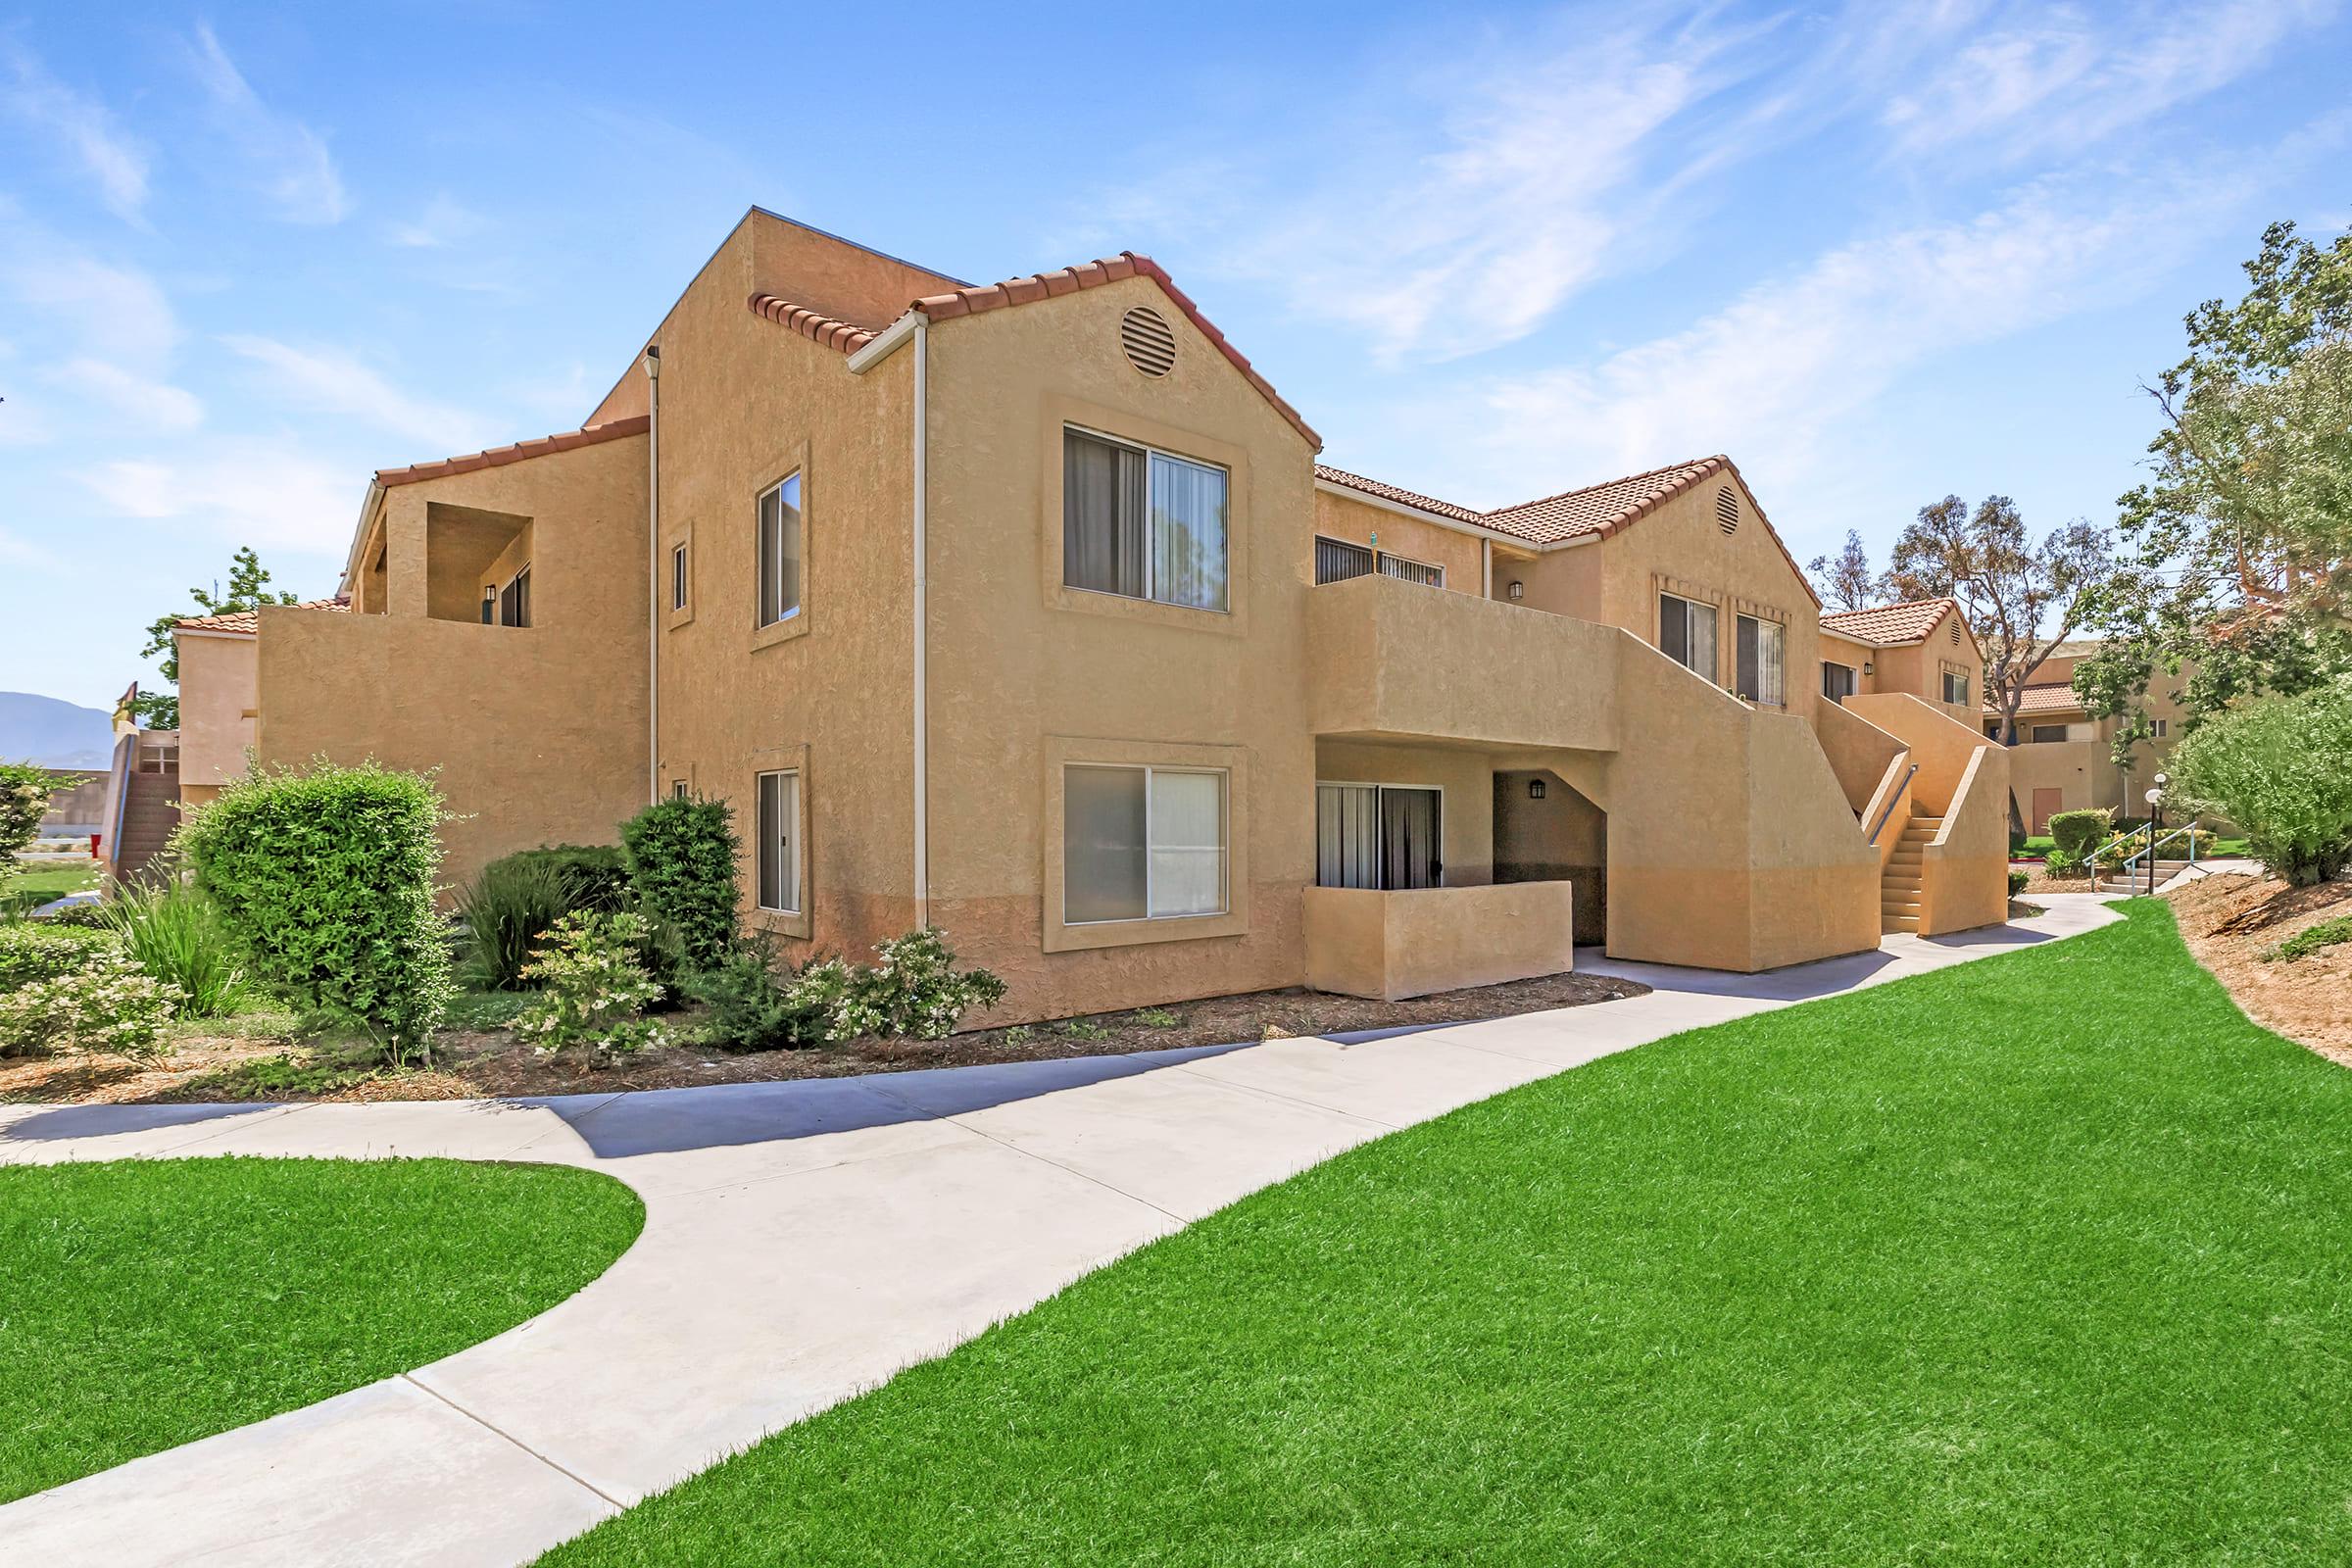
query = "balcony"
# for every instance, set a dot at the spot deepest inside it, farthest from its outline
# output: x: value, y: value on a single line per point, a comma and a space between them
x: 1411, y: 943
x: 1391, y: 659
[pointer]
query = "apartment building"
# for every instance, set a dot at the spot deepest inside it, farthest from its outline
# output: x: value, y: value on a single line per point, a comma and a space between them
x: 2063, y: 759
x: 1025, y: 611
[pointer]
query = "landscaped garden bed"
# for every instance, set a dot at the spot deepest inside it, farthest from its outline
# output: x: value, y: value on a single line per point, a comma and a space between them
x: 2245, y: 929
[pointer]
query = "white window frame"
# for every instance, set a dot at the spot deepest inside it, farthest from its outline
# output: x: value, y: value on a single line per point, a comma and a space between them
x: 1224, y: 776
x: 1716, y: 639
x: 1949, y: 677
x: 794, y: 860
x: 1772, y: 686
x: 1151, y: 593
x: 763, y: 562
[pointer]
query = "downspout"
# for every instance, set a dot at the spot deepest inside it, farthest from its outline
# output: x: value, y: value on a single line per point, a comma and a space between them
x: 922, y: 736
x: 653, y: 575
x: 1486, y: 568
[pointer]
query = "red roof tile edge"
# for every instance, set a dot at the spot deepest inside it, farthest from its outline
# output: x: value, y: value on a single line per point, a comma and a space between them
x: 813, y: 326
x: 247, y: 622
x: 1852, y: 622
x: 496, y: 457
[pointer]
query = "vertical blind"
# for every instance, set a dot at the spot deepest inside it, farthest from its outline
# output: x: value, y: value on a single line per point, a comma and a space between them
x: 1142, y: 843
x: 1377, y: 836
x: 1337, y: 561
x: 1759, y: 661
x: 1142, y: 525
x: 1686, y: 634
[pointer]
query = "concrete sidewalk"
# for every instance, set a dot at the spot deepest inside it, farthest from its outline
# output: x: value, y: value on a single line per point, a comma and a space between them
x: 803, y: 1243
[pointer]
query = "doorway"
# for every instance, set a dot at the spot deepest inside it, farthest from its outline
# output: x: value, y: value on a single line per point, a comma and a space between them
x: 1385, y: 836
x: 2046, y: 804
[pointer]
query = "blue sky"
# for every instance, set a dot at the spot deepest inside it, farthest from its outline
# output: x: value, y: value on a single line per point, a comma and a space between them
x: 1876, y: 253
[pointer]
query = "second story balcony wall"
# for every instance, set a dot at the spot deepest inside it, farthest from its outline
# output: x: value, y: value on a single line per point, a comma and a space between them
x: 1394, y: 658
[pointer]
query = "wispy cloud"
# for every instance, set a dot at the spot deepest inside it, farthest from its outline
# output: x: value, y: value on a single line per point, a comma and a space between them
x: 332, y: 381
x: 18, y: 551
x: 153, y: 405
x: 81, y: 128
x: 112, y: 313
x: 296, y: 169
x: 443, y: 223
x: 269, y: 495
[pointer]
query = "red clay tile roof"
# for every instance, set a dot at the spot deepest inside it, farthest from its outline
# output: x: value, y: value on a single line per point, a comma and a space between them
x: 247, y: 622
x: 2044, y: 700
x: 850, y: 336
x: 496, y: 457
x: 1397, y: 493
x: 1907, y: 623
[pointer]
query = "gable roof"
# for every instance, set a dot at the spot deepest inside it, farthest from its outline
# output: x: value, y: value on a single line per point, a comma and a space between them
x: 2051, y: 699
x: 1889, y: 625
x: 248, y: 623
x: 499, y: 457
x: 1397, y: 493
x: 847, y: 337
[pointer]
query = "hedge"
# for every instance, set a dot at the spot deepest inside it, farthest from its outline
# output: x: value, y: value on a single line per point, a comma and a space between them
x: 682, y: 854
x: 2281, y: 771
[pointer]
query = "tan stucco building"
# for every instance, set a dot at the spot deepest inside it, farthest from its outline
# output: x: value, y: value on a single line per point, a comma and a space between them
x: 2063, y: 759
x: 1025, y: 611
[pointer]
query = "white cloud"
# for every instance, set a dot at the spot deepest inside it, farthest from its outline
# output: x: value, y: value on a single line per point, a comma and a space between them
x: 19, y: 552
x: 113, y: 313
x: 336, y: 383
x: 272, y: 497
x: 297, y: 171
x: 115, y: 162
x: 443, y: 223
x: 154, y: 404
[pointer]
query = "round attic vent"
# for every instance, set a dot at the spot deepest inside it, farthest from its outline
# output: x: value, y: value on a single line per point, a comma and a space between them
x: 1149, y: 342
x: 1727, y: 509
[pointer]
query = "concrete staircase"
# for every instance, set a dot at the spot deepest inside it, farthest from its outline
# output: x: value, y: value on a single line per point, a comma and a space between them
x: 2138, y: 882
x: 1898, y: 886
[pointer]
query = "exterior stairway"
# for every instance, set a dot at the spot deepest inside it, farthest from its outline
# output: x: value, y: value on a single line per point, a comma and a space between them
x: 2138, y: 881
x: 1899, y: 887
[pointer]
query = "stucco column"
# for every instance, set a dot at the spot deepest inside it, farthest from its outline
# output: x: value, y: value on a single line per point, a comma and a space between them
x: 407, y: 581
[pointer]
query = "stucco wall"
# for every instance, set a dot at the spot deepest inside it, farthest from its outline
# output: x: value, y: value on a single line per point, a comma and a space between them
x: 1964, y: 871
x: 1465, y: 780
x: 219, y: 693
x: 1364, y: 942
x: 1563, y: 837
x: 1360, y: 522
x: 1857, y: 750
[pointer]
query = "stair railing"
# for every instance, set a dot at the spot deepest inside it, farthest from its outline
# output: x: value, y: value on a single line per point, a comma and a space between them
x: 1892, y: 801
x: 2151, y: 855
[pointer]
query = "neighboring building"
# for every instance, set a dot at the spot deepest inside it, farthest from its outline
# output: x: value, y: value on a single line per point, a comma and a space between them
x: 2064, y: 760
x: 219, y: 698
x: 1025, y: 611
x: 1922, y: 647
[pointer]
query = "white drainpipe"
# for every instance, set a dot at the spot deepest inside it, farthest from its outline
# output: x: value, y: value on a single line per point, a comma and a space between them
x: 923, y: 737
x: 652, y: 577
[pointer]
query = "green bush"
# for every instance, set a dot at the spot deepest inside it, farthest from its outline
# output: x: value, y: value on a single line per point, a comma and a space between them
x: 2017, y: 883
x: 594, y: 987
x: 681, y: 858
x: 107, y: 1005
x: 598, y: 874
x: 507, y: 912
x: 749, y: 1006
x: 325, y: 878
x: 175, y: 934
x: 31, y: 950
x: 915, y: 992
x: 2075, y: 834
x: 2281, y: 771
x: 2311, y: 939
x: 24, y: 791
x: 2063, y: 867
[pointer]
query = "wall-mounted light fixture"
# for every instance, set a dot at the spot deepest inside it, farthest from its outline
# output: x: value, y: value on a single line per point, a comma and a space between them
x: 1866, y: 666
x: 1535, y: 789
x: 1517, y: 589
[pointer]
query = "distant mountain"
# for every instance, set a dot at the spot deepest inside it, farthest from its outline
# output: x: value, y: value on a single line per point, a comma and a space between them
x: 54, y: 733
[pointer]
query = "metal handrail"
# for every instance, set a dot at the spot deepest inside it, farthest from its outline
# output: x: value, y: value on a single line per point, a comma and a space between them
x: 1892, y: 801
x: 2150, y: 853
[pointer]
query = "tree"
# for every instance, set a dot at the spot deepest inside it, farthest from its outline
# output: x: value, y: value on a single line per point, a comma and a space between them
x: 2021, y: 600
x: 247, y: 590
x: 1846, y: 578
x: 24, y: 791
x: 2238, y: 576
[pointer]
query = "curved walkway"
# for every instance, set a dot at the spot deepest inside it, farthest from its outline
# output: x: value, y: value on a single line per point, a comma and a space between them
x: 803, y: 1243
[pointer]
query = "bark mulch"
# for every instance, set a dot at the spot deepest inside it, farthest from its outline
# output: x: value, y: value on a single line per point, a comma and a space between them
x: 2229, y: 920
x: 491, y: 1065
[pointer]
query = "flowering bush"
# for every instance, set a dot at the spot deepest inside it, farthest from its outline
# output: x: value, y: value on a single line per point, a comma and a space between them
x: 594, y: 986
x: 24, y: 801
x: 43, y: 951
x: 108, y: 1004
x: 915, y: 992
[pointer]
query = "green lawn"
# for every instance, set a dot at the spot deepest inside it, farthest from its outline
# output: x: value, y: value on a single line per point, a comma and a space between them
x: 145, y: 1303
x: 50, y: 881
x: 1924, y: 1274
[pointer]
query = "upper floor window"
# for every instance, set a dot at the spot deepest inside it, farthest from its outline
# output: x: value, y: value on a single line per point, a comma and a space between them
x: 780, y: 551
x: 1141, y: 523
x: 677, y: 577
x: 1836, y: 681
x: 1955, y: 688
x: 2156, y: 728
x: 2046, y: 734
x: 1759, y: 661
x: 1686, y: 634
x: 514, y: 601
x: 1338, y: 560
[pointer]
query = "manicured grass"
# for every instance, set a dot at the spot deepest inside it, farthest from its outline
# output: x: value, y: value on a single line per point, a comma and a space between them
x: 146, y: 1304
x: 51, y: 881
x: 1919, y: 1274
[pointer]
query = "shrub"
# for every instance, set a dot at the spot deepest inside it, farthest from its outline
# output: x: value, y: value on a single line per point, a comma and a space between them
x: 175, y: 934
x: 107, y: 1005
x: 2063, y: 867
x: 325, y: 878
x: 915, y: 992
x: 2281, y: 769
x: 24, y: 791
x: 508, y: 912
x: 2017, y: 883
x: 2311, y: 939
x: 598, y: 874
x: 751, y: 1007
x: 32, y: 951
x: 2075, y: 834
x: 681, y: 858
x: 594, y: 987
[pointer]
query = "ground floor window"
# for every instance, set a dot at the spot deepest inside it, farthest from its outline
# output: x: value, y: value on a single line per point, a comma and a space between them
x: 1377, y: 836
x: 1686, y: 634
x: 779, y: 830
x: 1836, y: 681
x: 1142, y: 843
x: 1759, y: 661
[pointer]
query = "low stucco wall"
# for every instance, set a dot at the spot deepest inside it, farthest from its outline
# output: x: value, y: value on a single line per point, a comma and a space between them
x: 1859, y: 752
x: 1964, y: 872
x: 1362, y: 943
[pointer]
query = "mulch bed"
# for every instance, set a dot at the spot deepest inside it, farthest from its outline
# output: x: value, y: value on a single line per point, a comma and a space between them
x: 2229, y: 920
x: 491, y: 1065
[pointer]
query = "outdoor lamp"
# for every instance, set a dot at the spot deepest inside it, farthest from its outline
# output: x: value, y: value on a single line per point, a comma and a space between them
x: 2154, y: 796
x: 1535, y: 789
x: 1517, y: 589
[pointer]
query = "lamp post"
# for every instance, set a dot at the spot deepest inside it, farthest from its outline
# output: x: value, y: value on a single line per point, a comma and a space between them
x: 2155, y: 826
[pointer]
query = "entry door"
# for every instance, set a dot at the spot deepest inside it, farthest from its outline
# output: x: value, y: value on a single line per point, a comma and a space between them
x: 1408, y: 839
x: 2046, y: 803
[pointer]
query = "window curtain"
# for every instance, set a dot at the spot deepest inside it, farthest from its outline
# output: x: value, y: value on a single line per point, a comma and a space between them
x: 1773, y: 649
x: 1188, y: 843
x: 779, y: 820
x: 1187, y: 533
x: 1408, y: 838
x: 1347, y: 836
x: 1103, y: 516
x: 1103, y: 844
